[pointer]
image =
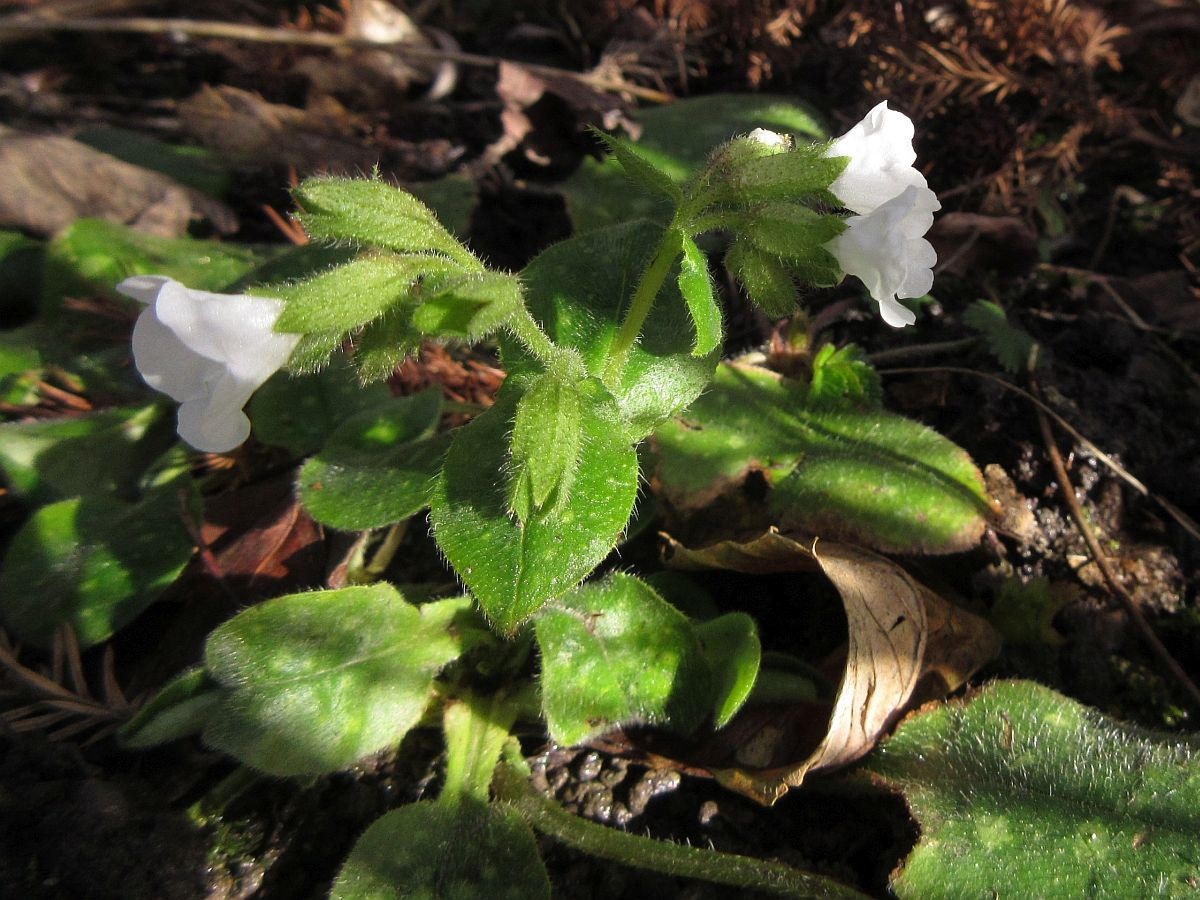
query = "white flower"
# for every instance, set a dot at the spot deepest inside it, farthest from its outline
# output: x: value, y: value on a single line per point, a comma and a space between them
x: 881, y: 161
x: 209, y: 352
x: 888, y: 252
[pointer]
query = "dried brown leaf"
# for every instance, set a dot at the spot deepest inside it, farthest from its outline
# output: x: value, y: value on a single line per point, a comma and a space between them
x: 49, y: 181
x: 899, y: 632
x: 244, y: 127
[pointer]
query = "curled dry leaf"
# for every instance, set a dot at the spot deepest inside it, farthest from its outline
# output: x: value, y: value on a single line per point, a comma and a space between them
x: 900, y: 632
x: 49, y: 181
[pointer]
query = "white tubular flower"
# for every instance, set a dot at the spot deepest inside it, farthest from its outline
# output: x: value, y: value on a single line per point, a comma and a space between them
x: 209, y: 352
x: 888, y: 252
x: 881, y: 161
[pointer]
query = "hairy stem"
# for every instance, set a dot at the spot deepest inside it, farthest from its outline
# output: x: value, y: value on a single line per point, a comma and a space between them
x: 525, y: 329
x: 643, y: 300
x: 741, y: 872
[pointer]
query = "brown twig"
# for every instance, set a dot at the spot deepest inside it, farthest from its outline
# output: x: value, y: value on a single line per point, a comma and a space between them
x: 13, y: 30
x: 1147, y: 634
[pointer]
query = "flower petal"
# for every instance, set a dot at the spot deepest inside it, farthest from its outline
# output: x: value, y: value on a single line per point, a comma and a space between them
x: 881, y: 160
x: 887, y: 252
x: 208, y: 351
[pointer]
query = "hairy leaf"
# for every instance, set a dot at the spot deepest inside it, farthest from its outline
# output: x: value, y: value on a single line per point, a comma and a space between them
x: 513, y: 567
x: 845, y: 474
x: 432, y: 851
x: 615, y: 653
x: 313, y: 682
x: 1022, y: 792
x: 378, y: 467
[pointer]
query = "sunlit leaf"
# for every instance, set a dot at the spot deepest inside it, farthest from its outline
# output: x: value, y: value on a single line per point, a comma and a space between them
x: 1022, y: 792
x: 313, y: 682
x: 513, y: 567
x: 861, y: 475
x: 378, y: 466
x: 615, y: 653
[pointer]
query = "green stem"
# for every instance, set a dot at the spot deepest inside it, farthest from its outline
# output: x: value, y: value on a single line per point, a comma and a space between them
x: 476, y: 729
x: 386, y: 551
x: 643, y: 300
x: 525, y: 329
x: 742, y: 872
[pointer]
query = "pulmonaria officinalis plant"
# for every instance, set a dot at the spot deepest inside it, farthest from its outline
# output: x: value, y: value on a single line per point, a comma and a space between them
x: 606, y: 338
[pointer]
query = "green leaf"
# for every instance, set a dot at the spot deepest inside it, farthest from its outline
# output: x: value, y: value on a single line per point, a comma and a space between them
x: 313, y: 682
x: 195, y: 167
x: 93, y: 562
x: 98, y: 454
x: 1022, y: 792
x: 677, y: 138
x: 512, y: 567
x: 378, y: 467
x: 377, y: 214
x: 863, y: 476
x: 766, y: 279
x: 385, y: 344
x: 640, y: 167
x: 429, y: 851
x: 577, y: 290
x: 95, y: 254
x: 351, y: 295
x: 734, y: 654
x: 696, y: 288
x: 1009, y: 344
x: 180, y: 709
x: 545, y: 445
x: 842, y: 377
x: 300, y: 412
x: 615, y: 653
x: 796, y: 236
x: 468, y: 307
x: 798, y: 174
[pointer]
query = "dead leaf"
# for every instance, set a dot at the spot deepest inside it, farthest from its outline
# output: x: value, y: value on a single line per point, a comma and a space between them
x: 258, y: 543
x: 244, y: 127
x: 545, y: 113
x: 1014, y: 510
x: 900, y: 632
x: 49, y: 181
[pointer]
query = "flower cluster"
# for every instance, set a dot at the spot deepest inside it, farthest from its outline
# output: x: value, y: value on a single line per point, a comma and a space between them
x: 209, y: 352
x: 884, y: 244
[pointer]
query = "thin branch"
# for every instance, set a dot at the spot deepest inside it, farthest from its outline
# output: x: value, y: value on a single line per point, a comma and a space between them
x: 1132, y: 610
x: 14, y: 30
